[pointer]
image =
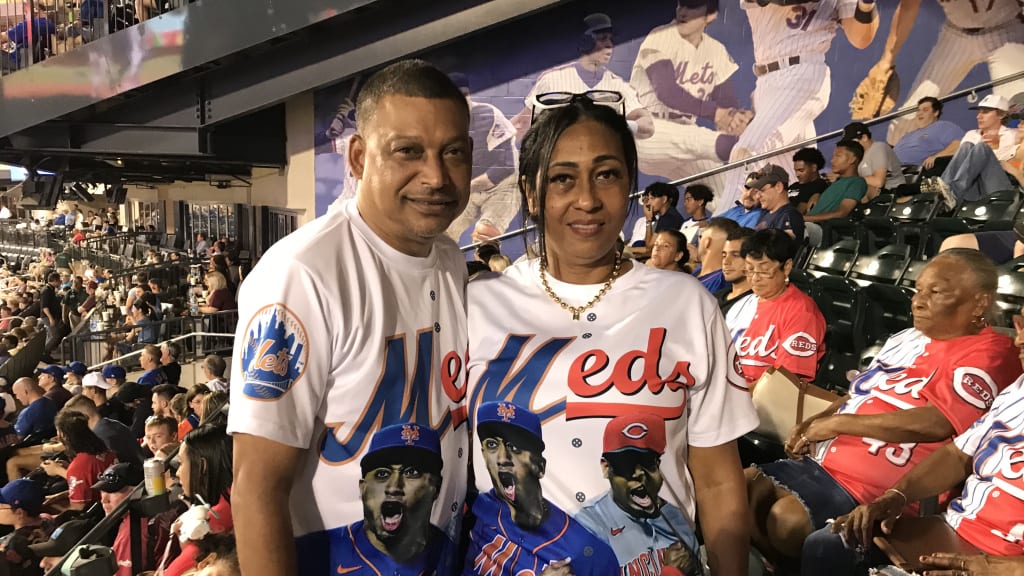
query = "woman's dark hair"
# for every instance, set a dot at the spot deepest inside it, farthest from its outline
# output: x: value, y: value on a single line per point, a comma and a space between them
x: 78, y: 438
x: 191, y: 395
x: 772, y: 244
x: 540, y: 141
x: 678, y: 237
x: 214, y: 410
x: 208, y: 449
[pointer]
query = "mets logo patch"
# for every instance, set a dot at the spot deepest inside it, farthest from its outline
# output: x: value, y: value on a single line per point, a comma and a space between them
x: 275, y: 352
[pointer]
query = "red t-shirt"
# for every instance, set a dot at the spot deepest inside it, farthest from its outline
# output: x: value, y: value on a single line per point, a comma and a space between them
x: 83, y: 472
x: 123, y: 547
x: 786, y: 331
x: 187, y: 559
x: 221, y: 300
x: 960, y: 377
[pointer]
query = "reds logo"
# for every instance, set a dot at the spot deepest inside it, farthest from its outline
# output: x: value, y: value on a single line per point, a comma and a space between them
x: 507, y: 412
x: 975, y: 387
x: 411, y: 434
x: 635, y: 431
x: 800, y: 344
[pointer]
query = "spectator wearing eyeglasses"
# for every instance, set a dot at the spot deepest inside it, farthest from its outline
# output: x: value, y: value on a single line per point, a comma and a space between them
x: 770, y: 184
x: 747, y: 211
x: 787, y: 330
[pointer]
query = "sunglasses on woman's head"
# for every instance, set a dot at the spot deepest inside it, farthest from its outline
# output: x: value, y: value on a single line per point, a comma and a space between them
x: 552, y: 100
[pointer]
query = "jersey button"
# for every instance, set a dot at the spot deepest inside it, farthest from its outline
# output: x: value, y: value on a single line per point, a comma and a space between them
x: 587, y: 335
x: 581, y: 497
x: 433, y: 295
x: 576, y: 443
x: 437, y: 327
x: 591, y: 317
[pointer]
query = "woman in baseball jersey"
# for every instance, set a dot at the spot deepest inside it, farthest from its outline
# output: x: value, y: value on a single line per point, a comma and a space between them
x: 925, y: 386
x: 787, y: 329
x: 602, y: 346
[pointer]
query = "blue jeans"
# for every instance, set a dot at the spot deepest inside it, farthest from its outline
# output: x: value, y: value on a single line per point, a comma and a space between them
x: 825, y: 554
x: 975, y: 172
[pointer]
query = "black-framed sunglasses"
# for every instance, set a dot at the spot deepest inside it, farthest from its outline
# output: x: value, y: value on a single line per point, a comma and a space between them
x: 551, y: 100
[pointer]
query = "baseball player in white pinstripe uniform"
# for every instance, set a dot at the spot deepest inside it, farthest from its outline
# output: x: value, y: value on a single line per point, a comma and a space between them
x: 589, y: 72
x: 793, y: 81
x: 680, y: 75
x: 975, y: 31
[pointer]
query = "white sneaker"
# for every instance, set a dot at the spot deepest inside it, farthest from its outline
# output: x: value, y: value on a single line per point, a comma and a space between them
x: 944, y: 191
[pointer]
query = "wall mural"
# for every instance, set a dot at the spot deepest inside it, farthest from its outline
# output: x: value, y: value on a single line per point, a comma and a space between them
x: 703, y: 84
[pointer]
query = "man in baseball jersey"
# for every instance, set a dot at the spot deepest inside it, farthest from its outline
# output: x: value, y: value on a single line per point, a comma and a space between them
x: 515, y: 528
x: 342, y: 127
x: 681, y: 74
x: 793, y: 80
x: 353, y: 323
x: 975, y: 31
x: 648, y: 534
x: 589, y: 72
x: 493, y: 192
x: 401, y: 480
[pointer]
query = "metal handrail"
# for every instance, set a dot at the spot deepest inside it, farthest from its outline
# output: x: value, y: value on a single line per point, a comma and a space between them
x: 175, y: 339
x: 796, y: 146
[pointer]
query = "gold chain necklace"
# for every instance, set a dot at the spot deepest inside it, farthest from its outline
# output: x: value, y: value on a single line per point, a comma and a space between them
x: 577, y: 310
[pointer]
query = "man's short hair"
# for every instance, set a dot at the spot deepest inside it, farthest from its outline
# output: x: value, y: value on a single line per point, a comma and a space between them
x: 215, y: 365
x: 935, y: 102
x: 658, y: 189
x: 810, y: 156
x: 53, y: 277
x: 712, y: 5
x: 854, y: 147
x: 412, y: 78
x: 170, y: 423
x: 700, y: 193
x: 741, y: 233
x: 725, y: 225
x: 173, y: 349
x: 81, y: 404
x: 165, y: 391
x: 153, y: 351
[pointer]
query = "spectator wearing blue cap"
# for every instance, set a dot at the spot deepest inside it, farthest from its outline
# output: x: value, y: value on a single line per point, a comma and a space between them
x: 401, y: 479
x: 515, y: 510
x: 51, y: 380
x: 21, y: 502
x: 73, y: 373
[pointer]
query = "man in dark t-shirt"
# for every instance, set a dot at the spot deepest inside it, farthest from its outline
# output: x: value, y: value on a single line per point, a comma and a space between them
x: 779, y: 213
x: 807, y: 165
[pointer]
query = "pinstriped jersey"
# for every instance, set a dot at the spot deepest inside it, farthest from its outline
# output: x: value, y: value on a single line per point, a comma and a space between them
x: 980, y: 13
x: 699, y: 69
x: 783, y: 31
x: 990, y: 511
x: 960, y: 377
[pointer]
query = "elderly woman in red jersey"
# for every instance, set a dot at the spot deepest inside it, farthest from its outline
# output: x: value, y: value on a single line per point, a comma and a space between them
x: 986, y: 518
x: 787, y: 329
x: 928, y: 384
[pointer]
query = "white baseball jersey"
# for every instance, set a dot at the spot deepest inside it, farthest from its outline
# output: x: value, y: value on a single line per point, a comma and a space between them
x: 570, y: 78
x: 699, y: 69
x: 738, y: 318
x: 990, y: 511
x: 783, y: 31
x: 339, y: 335
x: 980, y: 13
x: 622, y: 356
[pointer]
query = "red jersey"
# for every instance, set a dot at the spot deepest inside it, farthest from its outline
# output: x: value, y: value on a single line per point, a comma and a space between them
x: 786, y: 331
x: 960, y: 377
x: 990, y: 511
x: 83, y: 472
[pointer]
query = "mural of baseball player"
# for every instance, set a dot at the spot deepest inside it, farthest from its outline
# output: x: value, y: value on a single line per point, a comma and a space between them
x: 493, y: 193
x: 648, y: 534
x: 681, y: 74
x: 975, y: 31
x: 517, y: 531
x: 401, y: 479
x: 589, y: 72
x: 342, y: 127
x: 793, y: 82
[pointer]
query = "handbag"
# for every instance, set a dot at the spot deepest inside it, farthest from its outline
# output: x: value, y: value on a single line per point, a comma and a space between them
x: 783, y: 400
x: 916, y: 536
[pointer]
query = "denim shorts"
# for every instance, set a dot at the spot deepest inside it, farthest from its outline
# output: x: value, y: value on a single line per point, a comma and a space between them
x: 821, y: 495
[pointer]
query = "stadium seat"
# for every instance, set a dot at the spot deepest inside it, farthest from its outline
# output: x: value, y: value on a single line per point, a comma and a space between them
x: 887, y: 311
x: 802, y: 280
x: 832, y: 372
x: 994, y: 212
x: 909, y: 278
x: 885, y: 266
x: 835, y: 260
x: 841, y: 228
x: 1009, y: 292
x: 868, y: 356
x: 842, y: 303
x: 910, y: 221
